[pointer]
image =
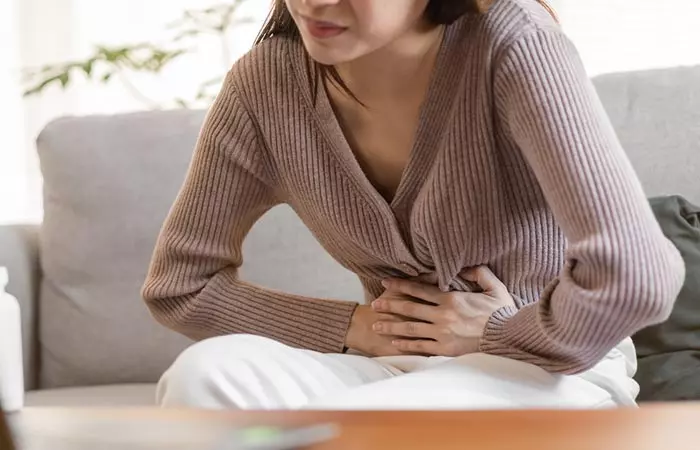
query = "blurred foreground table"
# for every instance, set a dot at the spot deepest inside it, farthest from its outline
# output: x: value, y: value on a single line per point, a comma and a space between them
x: 658, y: 427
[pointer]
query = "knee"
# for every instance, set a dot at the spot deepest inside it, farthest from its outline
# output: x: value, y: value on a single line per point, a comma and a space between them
x: 197, y: 374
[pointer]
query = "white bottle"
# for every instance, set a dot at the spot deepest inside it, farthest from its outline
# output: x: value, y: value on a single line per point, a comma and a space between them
x: 11, y: 370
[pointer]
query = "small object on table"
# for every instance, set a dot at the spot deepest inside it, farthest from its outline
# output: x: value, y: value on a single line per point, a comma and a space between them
x: 277, y: 438
x: 11, y: 371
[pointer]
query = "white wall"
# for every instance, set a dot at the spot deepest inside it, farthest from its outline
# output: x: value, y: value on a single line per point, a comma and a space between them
x: 13, y: 155
x: 622, y: 35
x: 612, y: 35
x: 67, y: 30
x: 144, y: 21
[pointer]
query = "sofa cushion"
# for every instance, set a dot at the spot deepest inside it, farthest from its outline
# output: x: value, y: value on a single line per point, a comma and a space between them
x: 109, y: 182
x: 656, y: 114
x: 669, y: 353
x: 108, y: 185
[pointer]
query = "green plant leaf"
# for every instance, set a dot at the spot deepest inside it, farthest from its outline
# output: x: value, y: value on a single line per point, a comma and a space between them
x: 64, y: 79
x: 87, y: 67
x: 186, y: 34
x: 41, y: 86
x: 181, y: 103
x: 151, y: 58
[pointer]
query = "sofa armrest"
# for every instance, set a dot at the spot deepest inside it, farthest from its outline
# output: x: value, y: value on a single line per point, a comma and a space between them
x: 19, y: 252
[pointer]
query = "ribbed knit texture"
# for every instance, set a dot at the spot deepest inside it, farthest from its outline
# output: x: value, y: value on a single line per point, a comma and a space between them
x: 515, y: 166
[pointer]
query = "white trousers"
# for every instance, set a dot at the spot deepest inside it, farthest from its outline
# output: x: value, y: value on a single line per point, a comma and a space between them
x: 250, y: 372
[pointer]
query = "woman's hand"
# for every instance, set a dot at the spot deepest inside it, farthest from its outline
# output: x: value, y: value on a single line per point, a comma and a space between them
x: 361, y: 335
x: 453, y: 322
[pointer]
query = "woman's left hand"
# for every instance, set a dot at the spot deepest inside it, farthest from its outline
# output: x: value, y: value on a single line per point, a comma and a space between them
x: 453, y: 322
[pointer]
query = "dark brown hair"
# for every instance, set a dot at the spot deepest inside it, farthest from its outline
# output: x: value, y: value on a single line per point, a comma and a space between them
x: 440, y: 12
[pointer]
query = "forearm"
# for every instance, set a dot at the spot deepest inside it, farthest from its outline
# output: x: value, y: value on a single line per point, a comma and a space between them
x: 575, y: 324
x: 227, y: 305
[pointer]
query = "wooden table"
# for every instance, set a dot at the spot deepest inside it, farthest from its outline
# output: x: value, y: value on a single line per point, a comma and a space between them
x: 662, y: 427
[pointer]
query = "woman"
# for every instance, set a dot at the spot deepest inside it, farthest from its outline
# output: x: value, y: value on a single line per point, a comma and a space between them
x: 451, y: 153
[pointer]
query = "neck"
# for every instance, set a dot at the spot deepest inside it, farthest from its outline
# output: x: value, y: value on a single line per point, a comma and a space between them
x: 398, y: 69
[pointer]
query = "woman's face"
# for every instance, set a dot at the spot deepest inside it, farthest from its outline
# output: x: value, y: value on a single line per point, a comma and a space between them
x: 339, y: 31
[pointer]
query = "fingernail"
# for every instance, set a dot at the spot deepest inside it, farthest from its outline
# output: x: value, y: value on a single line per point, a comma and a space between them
x: 377, y: 304
x: 386, y: 283
x: 377, y: 327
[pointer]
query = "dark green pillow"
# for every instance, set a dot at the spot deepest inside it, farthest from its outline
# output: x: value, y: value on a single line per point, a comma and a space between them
x: 669, y: 353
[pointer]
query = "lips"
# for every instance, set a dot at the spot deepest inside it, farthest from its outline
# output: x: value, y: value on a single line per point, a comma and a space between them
x: 323, y: 30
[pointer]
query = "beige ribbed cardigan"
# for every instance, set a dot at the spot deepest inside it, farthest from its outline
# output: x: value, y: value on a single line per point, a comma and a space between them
x: 515, y: 166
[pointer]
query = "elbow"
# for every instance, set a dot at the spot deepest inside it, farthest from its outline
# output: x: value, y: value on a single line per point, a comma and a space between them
x: 167, y: 311
x: 176, y: 313
x: 660, y: 284
x: 575, y: 359
x: 155, y: 301
x: 161, y: 310
x: 650, y: 295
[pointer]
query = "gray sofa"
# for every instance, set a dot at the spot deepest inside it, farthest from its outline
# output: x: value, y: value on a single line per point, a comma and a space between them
x: 109, y: 181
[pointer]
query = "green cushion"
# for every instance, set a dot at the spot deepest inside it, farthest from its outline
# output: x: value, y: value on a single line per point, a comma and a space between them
x: 669, y: 353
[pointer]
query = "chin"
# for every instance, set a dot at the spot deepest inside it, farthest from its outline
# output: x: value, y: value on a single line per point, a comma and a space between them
x: 328, y: 56
x: 326, y: 60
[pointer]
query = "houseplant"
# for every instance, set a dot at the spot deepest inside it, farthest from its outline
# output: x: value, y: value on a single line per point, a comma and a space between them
x: 119, y: 63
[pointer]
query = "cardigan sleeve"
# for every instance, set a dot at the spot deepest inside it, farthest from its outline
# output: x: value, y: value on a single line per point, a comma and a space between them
x: 621, y: 274
x: 193, y: 285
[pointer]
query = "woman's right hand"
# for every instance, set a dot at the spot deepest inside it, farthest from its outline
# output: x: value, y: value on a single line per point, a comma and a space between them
x: 363, y: 338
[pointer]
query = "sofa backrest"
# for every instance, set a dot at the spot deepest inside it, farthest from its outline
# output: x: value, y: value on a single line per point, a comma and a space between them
x: 109, y: 182
x: 656, y: 114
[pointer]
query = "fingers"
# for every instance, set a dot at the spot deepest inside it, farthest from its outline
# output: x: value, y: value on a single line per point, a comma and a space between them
x: 406, y: 329
x: 414, y: 289
x: 421, y: 347
x: 406, y: 308
x: 483, y: 276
